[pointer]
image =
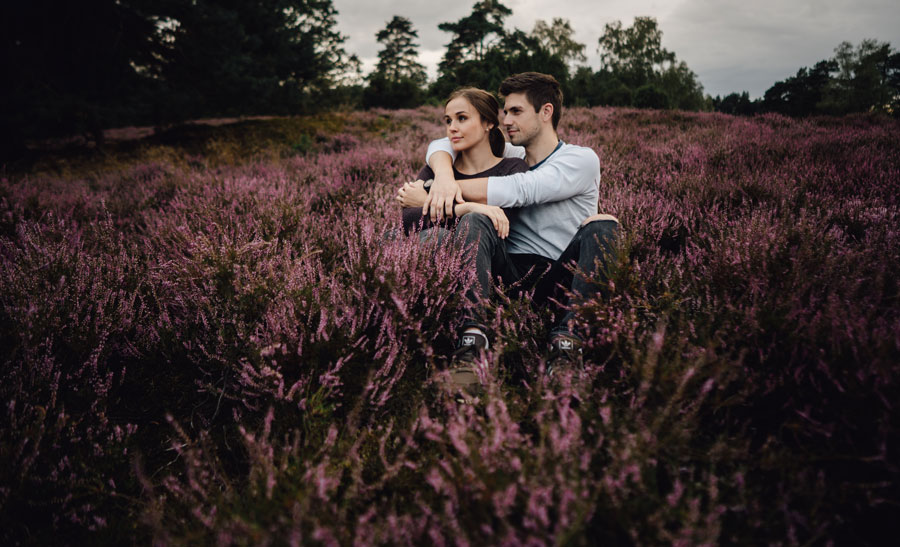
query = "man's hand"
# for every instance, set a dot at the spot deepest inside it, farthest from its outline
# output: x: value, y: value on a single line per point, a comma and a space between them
x: 600, y: 216
x: 445, y: 191
x: 412, y: 194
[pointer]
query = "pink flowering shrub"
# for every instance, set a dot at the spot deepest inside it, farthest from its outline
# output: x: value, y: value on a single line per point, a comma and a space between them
x: 248, y: 352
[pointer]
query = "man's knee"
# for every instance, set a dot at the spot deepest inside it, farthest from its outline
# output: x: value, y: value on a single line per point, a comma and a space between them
x: 601, y: 229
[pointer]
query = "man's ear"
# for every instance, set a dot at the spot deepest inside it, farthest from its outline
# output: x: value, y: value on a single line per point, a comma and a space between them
x: 547, y: 112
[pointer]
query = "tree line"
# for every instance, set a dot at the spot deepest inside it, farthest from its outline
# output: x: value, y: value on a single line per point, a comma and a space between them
x: 865, y: 78
x: 636, y: 70
x: 77, y: 68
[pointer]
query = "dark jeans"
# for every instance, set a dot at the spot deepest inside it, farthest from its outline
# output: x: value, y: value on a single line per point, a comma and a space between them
x: 589, y: 252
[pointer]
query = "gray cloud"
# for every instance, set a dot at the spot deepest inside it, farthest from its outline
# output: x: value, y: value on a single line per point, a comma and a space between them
x: 732, y: 45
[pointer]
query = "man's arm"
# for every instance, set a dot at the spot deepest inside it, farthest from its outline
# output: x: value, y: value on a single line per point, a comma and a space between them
x: 446, y: 190
x: 572, y: 172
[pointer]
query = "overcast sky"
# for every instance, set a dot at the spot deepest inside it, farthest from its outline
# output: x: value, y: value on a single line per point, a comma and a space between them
x: 732, y: 45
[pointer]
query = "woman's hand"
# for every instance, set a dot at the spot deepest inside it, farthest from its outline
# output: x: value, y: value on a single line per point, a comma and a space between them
x: 496, y: 214
x: 412, y: 194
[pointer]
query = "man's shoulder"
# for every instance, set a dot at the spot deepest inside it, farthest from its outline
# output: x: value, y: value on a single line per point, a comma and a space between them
x: 583, y: 156
x: 574, y: 149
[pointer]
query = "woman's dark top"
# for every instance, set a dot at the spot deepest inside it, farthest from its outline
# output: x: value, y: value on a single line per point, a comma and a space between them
x: 413, y: 220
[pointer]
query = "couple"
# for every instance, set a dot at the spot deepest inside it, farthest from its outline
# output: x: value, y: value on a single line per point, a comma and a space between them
x: 528, y: 208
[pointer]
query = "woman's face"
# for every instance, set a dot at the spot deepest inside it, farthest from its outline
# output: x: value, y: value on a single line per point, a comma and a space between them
x: 465, y: 128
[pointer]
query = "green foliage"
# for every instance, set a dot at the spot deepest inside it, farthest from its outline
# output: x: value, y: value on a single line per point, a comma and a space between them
x: 735, y: 103
x: 386, y: 93
x: 650, y: 96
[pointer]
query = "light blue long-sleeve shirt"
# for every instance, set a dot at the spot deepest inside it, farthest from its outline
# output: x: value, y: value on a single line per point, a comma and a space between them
x: 554, y: 197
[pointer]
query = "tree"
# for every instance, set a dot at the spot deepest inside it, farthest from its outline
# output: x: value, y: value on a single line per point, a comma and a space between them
x: 802, y: 94
x: 635, y: 57
x: 398, y: 58
x: 78, y: 68
x: 866, y: 78
x: 68, y: 68
x: 634, y: 54
x: 557, y: 38
x: 482, y: 52
x: 680, y: 84
x: 474, y: 34
x: 861, y: 79
x: 225, y: 57
x: 398, y: 78
x: 736, y: 103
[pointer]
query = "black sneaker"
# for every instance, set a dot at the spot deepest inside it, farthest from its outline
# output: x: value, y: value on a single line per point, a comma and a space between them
x: 464, y: 363
x: 565, y: 353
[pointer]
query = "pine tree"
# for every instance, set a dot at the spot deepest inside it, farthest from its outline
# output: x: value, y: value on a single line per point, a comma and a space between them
x: 398, y: 78
x: 398, y: 58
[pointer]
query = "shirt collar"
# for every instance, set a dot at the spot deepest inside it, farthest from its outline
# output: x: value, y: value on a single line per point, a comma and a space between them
x: 538, y: 164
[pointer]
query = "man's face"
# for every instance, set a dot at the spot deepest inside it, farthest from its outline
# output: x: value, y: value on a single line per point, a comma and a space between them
x: 522, y: 123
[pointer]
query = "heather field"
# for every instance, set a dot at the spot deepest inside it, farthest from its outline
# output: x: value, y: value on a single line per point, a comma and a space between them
x: 216, y: 336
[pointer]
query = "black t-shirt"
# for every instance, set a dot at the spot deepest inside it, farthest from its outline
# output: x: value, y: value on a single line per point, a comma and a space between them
x: 412, y: 216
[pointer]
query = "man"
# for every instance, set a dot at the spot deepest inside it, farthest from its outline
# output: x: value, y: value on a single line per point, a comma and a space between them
x: 554, y: 227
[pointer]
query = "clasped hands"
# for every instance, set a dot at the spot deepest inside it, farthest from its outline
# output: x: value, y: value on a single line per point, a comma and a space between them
x: 440, y: 202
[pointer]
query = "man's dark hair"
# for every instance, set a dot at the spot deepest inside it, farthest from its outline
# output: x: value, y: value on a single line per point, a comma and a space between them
x: 538, y: 88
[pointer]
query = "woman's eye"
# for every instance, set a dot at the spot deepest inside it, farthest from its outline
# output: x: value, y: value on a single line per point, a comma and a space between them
x: 462, y: 118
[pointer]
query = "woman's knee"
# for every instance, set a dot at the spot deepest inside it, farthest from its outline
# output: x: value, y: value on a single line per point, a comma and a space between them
x: 476, y: 223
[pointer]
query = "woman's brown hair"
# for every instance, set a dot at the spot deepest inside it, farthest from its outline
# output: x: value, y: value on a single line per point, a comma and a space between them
x: 488, y: 107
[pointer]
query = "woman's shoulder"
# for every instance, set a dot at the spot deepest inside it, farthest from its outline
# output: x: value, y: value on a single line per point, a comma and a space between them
x: 509, y: 166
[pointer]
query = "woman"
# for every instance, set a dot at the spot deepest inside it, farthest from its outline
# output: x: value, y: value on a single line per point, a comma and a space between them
x: 473, y: 127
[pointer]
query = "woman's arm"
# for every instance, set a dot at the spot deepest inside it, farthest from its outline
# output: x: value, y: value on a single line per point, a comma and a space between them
x: 495, y: 214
